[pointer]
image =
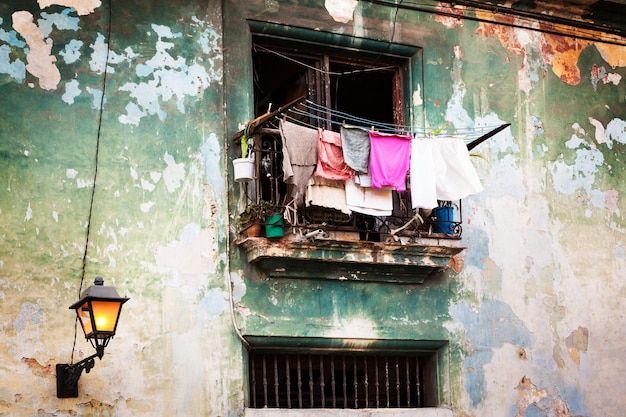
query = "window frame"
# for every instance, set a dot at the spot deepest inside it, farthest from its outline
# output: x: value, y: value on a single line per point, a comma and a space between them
x: 436, y: 351
x: 324, y: 56
x: 319, y: 47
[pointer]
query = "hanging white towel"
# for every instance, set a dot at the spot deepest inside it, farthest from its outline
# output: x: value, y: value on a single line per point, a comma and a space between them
x: 327, y: 193
x: 455, y: 174
x: 441, y: 170
x: 363, y: 180
x: 423, y: 182
x: 367, y: 200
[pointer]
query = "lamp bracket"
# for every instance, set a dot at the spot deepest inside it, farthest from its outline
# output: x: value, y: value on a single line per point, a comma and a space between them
x: 68, y: 375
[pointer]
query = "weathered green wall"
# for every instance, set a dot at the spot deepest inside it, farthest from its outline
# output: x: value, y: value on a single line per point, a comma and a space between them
x: 159, y: 225
x: 534, y: 321
x: 528, y: 317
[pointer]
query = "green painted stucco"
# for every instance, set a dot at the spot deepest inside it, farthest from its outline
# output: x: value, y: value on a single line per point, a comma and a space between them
x: 533, y: 323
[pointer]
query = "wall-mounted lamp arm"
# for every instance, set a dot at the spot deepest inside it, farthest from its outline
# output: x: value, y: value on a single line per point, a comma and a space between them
x: 69, y: 374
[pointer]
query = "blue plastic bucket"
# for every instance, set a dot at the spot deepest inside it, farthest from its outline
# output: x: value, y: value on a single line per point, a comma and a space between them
x: 444, y: 220
x: 274, y: 225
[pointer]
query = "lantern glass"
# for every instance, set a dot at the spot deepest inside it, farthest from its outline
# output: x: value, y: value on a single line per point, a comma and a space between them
x: 84, y: 315
x: 105, y: 315
x: 99, y: 318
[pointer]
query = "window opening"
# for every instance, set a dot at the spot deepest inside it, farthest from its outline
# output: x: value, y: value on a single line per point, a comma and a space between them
x: 338, y: 80
x: 338, y: 85
x: 278, y: 379
x: 335, y: 83
x: 369, y: 95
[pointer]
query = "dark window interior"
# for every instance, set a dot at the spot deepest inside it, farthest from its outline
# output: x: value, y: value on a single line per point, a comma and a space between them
x: 277, y: 80
x: 364, y: 94
x: 335, y: 79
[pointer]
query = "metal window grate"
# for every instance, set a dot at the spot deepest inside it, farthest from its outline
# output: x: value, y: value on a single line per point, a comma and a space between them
x: 347, y: 380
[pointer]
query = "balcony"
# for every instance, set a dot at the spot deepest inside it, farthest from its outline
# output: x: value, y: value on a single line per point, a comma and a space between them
x: 326, y: 241
x: 312, y: 242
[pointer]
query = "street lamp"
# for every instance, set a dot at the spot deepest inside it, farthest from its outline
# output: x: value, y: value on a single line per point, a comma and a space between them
x: 98, y: 311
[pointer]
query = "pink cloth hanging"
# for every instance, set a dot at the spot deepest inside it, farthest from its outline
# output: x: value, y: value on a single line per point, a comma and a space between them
x: 330, y: 161
x: 389, y: 160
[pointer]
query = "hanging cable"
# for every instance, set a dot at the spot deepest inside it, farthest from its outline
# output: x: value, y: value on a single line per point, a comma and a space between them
x: 339, y: 118
x: 579, y: 29
x: 395, y: 21
x: 95, y: 174
x: 312, y: 67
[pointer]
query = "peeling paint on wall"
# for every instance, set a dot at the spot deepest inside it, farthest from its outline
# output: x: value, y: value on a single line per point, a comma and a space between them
x: 529, y: 394
x: 173, y: 174
x: 62, y: 21
x: 581, y: 174
x: 168, y: 78
x: 538, y: 402
x: 487, y: 326
x: 341, y: 10
x: 577, y: 342
x: 211, y: 152
x: 41, y: 63
x: 447, y: 20
x: 614, y: 55
x: 558, y: 52
x: 164, y: 78
x: 82, y: 7
x: 599, y: 73
x: 456, y: 114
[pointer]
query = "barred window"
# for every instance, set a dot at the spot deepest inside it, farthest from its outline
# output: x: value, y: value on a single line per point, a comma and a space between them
x: 299, y: 380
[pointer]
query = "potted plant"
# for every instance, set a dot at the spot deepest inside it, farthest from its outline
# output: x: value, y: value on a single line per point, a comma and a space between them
x: 262, y: 213
x: 250, y: 220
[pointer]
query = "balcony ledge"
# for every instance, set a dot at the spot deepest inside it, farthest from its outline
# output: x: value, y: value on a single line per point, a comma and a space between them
x: 290, y: 257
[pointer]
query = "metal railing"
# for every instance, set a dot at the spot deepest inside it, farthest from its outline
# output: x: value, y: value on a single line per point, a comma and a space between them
x: 347, y: 380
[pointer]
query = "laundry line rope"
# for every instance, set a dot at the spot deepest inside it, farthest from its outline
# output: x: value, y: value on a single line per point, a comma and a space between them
x: 339, y: 118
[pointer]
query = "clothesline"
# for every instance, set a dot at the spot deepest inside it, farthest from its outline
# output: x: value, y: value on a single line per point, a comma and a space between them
x: 356, y: 169
x: 322, y: 113
x: 480, y: 134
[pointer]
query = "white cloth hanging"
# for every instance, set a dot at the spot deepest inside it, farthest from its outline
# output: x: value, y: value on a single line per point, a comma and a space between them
x: 327, y: 193
x: 422, y: 171
x: 367, y: 200
x: 442, y: 165
x: 455, y: 174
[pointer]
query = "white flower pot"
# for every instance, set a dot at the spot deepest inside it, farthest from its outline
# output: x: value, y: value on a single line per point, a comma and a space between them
x: 244, y: 169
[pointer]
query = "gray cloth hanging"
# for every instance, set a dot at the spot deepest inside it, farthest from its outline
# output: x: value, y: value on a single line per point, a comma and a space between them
x: 356, y: 147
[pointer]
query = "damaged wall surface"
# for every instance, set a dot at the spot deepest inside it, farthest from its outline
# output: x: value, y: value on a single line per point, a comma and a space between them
x: 116, y: 126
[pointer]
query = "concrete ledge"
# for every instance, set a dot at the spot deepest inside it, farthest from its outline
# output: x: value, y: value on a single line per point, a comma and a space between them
x: 350, y: 261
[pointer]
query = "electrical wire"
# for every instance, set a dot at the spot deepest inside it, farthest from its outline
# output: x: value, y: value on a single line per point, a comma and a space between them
x: 395, y: 21
x: 525, y: 20
x: 338, y: 117
x: 312, y: 67
x: 95, y: 174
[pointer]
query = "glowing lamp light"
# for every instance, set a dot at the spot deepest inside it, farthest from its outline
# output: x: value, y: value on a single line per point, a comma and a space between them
x: 98, y: 311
